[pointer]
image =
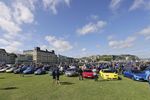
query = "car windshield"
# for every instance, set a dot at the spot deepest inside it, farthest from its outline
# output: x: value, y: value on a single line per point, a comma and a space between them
x: 70, y: 69
x: 137, y: 71
x: 108, y: 71
x: 87, y: 70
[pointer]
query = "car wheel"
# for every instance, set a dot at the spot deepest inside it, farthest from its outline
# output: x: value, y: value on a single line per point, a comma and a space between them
x: 149, y: 79
x: 133, y: 78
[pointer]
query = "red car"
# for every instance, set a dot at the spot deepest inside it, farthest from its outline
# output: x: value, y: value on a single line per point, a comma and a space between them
x: 87, y: 74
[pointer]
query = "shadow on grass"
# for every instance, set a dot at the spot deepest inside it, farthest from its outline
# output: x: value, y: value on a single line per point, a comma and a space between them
x: 8, y: 88
x: 2, y: 77
x: 66, y: 83
x: 109, y: 80
x: 27, y: 75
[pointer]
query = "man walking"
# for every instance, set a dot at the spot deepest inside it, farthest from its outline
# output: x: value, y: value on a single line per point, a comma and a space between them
x: 80, y: 74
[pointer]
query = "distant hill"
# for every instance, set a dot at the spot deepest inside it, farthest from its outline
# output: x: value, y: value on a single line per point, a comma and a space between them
x: 97, y: 58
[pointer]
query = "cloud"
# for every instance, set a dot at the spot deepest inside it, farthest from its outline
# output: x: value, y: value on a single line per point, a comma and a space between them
x: 53, y: 4
x: 115, y: 4
x: 137, y: 4
x: 145, y: 32
x: 22, y: 13
x: 91, y: 28
x: 110, y: 37
x: 6, y: 22
x: 58, y: 43
x: 120, y: 44
x: 12, y: 17
x: 83, y: 49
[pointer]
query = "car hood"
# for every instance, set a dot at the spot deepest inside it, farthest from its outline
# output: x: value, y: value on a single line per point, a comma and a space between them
x: 110, y: 74
x: 140, y: 74
x: 70, y: 72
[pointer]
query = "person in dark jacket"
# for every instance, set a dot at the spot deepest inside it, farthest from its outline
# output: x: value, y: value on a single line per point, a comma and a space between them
x: 80, y: 74
x: 57, y: 73
x: 54, y: 76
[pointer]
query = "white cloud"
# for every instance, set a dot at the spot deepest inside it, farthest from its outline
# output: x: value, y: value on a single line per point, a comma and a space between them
x: 6, y: 22
x: 12, y: 17
x: 83, y: 49
x: 98, y: 46
x: 92, y: 27
x: 53, y: 4
x: 137, y: 4
x: 22, y: 13
x: 145, y: 32
x: 115, y: 4
x: 119, y: 44
x: 58, y: 44
x: 110, y: 37
x: 94, y: 17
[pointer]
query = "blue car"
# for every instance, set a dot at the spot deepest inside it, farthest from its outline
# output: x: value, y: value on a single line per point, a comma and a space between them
x: 137, y: 75
x: 29, y: 70
x: 20, y: 69
x: 40, y: 71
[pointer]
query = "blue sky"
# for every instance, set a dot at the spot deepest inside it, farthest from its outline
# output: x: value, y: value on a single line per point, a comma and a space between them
x: 76, y: 27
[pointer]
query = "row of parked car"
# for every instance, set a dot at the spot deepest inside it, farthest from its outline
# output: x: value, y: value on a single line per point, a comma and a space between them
x: 105, y: 73
x: 23, y: 70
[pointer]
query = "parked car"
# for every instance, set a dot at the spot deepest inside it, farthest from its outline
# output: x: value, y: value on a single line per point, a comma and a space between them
x: 29, y: 70
x: 71, y: 72
x: 107, y: 74
x: 20, y: 69
x: 10, y: 70
x: 87, y: 73
x: 4, y: 69
x: 40, y: 71
x: 137, y: 75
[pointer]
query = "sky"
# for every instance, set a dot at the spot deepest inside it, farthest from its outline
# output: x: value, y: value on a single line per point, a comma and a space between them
x: 76, y: 28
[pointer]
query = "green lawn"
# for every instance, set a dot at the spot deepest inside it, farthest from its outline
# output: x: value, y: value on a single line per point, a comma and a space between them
x: 31, y: 87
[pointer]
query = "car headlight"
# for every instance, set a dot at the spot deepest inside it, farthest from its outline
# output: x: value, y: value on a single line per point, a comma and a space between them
x: 135, y: 76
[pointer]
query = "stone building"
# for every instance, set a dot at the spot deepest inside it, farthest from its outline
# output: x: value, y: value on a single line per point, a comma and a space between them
x: 3, y: 56
x: 24, y: 59
x: 41, y: 56
x: 8, y: 58
x: 65, y: 60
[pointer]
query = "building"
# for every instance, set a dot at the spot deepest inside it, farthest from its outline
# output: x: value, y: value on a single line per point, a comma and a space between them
x: 41, y: 56
x: 65, y: 60
x: 11, y: 58
x: 3, y: 56
x: 8, y: 58
x: 24, y: 59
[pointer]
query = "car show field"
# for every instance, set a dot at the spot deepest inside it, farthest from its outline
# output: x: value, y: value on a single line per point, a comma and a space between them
x: 32, y: 87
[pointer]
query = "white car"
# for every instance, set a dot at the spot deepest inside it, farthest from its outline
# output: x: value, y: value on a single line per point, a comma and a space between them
x: 4, y: 69
x: 10, y: 70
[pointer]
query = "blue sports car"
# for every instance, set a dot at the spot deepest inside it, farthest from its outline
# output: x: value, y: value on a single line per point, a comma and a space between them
x: 40, y: 71
x: 137, y: 75
x: 29, y: 70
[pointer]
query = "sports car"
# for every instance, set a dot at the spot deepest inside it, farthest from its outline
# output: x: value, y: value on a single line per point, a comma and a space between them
x: 137, y: 75
x: 40, y: 71
x: 71, y: 72
x: 107, y: 74
x: 87, y: 73
x: 29, y: 70
x: 10, y: 70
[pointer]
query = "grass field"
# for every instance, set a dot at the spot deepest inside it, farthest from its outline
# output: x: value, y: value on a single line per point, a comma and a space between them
x: 31, y: 87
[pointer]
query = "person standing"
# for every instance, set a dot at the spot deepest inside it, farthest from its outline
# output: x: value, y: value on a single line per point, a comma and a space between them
x: 80, y: 74
x: 57, y: 73
x: 54, y: 76
x: 95, y: 74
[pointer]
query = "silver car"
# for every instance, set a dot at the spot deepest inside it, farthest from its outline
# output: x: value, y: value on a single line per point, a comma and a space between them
x: 71, y: 72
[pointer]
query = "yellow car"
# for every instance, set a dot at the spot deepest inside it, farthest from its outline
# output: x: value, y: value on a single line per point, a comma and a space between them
x: 107, y: 74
